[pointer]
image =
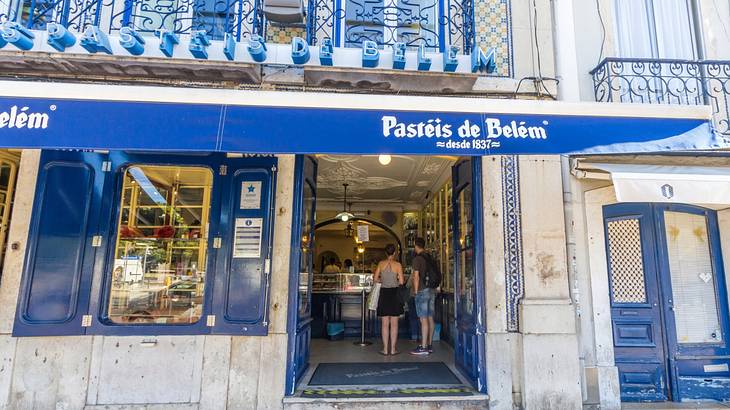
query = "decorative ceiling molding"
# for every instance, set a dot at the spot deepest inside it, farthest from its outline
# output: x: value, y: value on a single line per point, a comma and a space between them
x: 406, y: 180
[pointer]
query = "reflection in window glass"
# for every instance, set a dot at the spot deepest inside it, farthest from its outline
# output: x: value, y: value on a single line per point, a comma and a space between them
x: 161, y: 251
x: 693, y: 278
x: 466, y: 254
x: 305, y: 262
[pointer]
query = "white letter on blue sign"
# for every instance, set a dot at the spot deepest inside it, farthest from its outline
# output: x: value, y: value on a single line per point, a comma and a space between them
x: 299, y: 50
x: 199, y: 42
x: 95, y: 40
x: 424, y: 63
x: 17, y: 35
x: 389, y: 122
x: 481, y: 61
x: 370, y: 54
x: 58, y: 37
x: 399, y: 56
x: 131, y: 41
x: 257, y: 48
x: 168, y: 39
x: 325, y: 51
x: 450, y: 61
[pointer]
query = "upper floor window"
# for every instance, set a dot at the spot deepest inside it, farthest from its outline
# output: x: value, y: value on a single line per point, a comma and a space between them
x: 386, y: 22
x: 655, y: 29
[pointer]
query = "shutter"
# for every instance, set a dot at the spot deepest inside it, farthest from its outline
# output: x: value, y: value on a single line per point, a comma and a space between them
x: 241, y: 293
x: 56, y: 281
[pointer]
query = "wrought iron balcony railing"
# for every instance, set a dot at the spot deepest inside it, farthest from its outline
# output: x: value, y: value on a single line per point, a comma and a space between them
x: 434, y: 23
x: 661, y: 81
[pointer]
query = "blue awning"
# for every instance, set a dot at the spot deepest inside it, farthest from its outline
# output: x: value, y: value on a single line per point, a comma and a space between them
x: 66, y: 116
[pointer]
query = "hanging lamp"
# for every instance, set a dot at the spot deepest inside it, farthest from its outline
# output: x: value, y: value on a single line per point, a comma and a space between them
x: 344, y: 216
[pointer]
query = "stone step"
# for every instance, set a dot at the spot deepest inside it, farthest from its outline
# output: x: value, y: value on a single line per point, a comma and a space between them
x: 471, y: 402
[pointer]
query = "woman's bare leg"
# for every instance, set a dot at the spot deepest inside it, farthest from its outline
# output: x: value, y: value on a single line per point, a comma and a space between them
x: 384, y: 331
x: 393, y: 333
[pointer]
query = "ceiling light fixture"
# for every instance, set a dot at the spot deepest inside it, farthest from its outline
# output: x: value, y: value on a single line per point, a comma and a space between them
x: 344, y: 216
x: 384, y: 159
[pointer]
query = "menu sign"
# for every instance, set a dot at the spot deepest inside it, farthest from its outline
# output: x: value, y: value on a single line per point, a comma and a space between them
x: 247, y: 238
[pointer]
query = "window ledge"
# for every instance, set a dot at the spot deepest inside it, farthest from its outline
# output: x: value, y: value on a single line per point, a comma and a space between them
x: 121, y: 68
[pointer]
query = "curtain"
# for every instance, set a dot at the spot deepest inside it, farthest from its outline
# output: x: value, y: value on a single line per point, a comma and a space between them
x: 675, y: 39
x: 634, y: 29
x: 654, y: 29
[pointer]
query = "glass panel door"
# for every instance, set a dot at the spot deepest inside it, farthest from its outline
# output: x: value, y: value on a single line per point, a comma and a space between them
x: 694, y: 299
x: 299, y: 325
x: 469, y: 346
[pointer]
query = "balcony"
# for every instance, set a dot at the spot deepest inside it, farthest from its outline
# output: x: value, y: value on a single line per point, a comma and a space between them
x: 662, y: 81
x: 433, y: 23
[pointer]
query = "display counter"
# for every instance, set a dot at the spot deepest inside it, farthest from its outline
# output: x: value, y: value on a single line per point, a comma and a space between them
x: 337, y: 297
x: 342, y: 283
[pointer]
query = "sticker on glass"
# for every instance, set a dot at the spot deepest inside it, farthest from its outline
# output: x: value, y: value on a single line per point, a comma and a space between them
x: 247, y: 240
x: 251, y: 195
x: 705, y: 277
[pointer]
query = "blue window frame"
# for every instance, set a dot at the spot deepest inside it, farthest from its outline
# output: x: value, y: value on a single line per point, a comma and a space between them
x: 67, y: 280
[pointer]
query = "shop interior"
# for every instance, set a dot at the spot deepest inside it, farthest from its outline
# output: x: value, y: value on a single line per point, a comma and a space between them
x: 364, y: 203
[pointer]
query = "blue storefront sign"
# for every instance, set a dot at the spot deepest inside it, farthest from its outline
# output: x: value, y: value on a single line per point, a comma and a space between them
x: 153, y: 126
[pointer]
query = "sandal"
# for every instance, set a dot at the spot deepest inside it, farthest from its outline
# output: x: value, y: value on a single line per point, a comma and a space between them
x: 395, y: 352
x: 383, y: 353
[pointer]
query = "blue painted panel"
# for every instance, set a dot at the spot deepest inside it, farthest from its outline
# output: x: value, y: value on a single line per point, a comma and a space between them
x: 715, y: 388
x: 642, y: 381
x: 59, y: 247
x: 245, y: 296
x: 56, y: 279
x: 633, y: 333
x: 242, y: 283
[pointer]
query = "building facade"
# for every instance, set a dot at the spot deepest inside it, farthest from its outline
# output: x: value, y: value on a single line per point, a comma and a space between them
x: 626, y: 52
x: 596, y: 195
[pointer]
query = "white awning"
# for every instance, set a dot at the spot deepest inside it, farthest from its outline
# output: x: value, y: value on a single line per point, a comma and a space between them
x: 667, y: 183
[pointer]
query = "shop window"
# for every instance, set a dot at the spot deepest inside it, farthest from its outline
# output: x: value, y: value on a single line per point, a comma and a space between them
x: 162, y: 246
x: 174, y: 242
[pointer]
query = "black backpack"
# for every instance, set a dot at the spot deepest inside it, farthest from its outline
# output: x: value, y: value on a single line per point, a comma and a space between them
x: 432, y: 276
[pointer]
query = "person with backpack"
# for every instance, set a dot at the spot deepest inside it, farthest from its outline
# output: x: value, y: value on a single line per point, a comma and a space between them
x: 426, y: 279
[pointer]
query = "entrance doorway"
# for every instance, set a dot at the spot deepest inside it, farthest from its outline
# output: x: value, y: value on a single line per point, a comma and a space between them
x: 669, y: 305
x: 391, y: 200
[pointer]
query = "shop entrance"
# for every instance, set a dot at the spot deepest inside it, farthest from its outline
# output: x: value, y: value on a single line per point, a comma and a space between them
x: 336, y: 246
x: 668, y: 302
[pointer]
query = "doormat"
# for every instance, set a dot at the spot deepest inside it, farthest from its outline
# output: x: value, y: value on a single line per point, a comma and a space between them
x: 314, y: 393
x: 396, y: 373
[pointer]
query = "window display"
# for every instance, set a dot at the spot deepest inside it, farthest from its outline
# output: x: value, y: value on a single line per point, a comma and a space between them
x: 161, y: 251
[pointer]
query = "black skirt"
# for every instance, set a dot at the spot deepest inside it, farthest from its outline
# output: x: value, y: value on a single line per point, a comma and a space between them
x: 388, y: 304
